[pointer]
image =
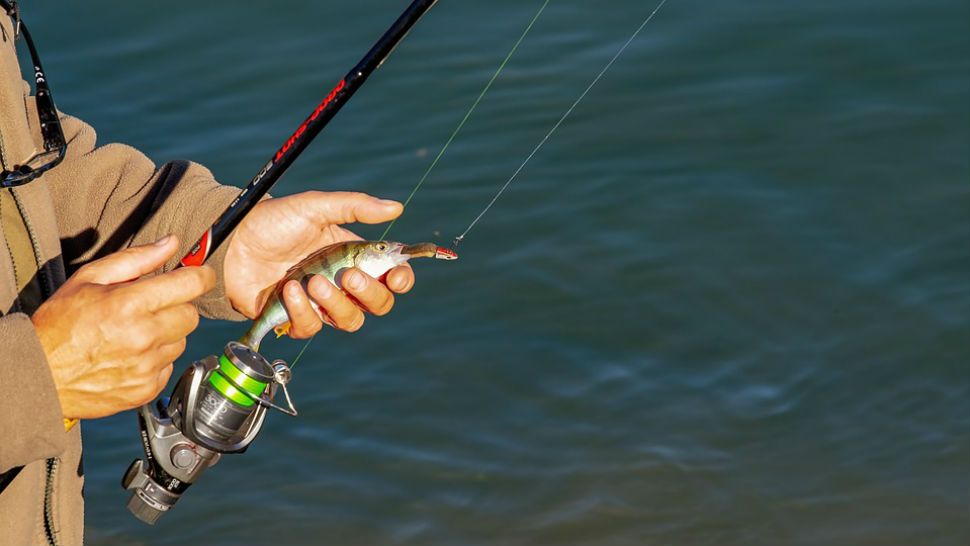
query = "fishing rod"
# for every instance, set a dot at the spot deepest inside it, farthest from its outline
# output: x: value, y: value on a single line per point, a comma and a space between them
x: 219, y: 404
x: 454, y: 134
x: 458, y: 239
x: 304, y: 134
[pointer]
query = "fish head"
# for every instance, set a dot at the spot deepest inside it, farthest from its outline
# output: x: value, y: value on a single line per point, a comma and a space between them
x: 378, y: 257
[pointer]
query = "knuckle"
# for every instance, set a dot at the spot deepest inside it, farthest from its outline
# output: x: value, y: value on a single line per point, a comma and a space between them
x: 89, y: 292
x: 342, y: 314
x: 140, y: 339
x: 126, y: 306
x: 317, y: 326
x: 136, y: 342
x: 207, y: 278
x: 145, y: 368
x: 296, y: 328
x: 190, y: 316
x: 173, y: 351
x: 306, y: 327
x: 147, y: 386
x: 84, y: 273
x: 385, y: 306
x: 164, y: 375
x: 356, y: 323
x: 328, y: 320
x: 147, y: 392
x: 124, y: 300
x: 198, y: 282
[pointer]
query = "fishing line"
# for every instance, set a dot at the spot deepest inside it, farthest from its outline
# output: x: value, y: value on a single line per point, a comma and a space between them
x: 451, y: 138
x: 468, y: 113
x: 556, y: 126
x: 303, y: 350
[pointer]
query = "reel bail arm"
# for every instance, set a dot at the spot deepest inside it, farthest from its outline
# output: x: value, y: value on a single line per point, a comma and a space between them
x: 217, y: 407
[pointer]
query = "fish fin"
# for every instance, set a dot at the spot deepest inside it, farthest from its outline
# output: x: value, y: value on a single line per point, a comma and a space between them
x: 282, y: 329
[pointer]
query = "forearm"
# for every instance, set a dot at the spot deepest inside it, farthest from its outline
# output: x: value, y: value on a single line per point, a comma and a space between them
x: 31, y: 424
x: 110, y: 197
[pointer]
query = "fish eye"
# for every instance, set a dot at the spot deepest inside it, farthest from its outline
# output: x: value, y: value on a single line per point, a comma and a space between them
x: 381, y: 246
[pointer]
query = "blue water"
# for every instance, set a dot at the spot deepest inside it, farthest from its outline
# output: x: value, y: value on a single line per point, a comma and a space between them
x: 728, y: 303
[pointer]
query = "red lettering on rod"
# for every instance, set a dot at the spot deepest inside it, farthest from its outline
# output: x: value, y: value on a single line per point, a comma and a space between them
x: 303, y: 127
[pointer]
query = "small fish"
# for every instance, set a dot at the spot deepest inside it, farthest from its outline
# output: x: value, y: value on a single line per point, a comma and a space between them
x: 372, y: 257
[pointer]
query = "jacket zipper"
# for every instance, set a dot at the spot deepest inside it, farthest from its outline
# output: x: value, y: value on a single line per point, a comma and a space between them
x: 49, y: 502
x: 46, y: 291
x: 3, y: 154
x: 3, y: 150
x: 46, y: 286
x: 13, y: 264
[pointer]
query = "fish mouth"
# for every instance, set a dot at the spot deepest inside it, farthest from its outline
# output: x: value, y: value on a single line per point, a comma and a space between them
x: 429, y: 250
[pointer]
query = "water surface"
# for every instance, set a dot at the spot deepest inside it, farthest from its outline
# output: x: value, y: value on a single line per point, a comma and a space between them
x: 728, y: 303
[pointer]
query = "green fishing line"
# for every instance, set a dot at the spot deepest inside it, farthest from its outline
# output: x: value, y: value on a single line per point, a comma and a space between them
x: 469, y: 113
x: 451, y: 138
x: 303, y: 350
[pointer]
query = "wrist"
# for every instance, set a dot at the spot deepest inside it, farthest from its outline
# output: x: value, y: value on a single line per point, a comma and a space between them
x: 56, y: 366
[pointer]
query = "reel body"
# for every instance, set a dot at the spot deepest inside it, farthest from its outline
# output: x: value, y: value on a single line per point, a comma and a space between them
x: 217, y: 407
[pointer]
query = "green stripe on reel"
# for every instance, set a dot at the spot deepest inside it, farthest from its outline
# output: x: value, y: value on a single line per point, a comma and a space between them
x: 228, y: 369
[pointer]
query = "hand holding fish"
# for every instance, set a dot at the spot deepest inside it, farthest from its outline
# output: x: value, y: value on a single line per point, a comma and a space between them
x: 280, y: 232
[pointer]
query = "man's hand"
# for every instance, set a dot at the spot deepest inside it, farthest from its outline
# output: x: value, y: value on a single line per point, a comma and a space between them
x: 111, y: 336
x: 280, y: 232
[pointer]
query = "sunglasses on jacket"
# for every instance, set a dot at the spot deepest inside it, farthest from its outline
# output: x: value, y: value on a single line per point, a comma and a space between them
x: 50, y: 125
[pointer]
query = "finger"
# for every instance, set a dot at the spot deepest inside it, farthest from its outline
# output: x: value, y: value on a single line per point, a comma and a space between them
x: 173, y: 288
x: 349, y: 207
x: 174, y: 323
x: 156, y: 366
x: 372, y: 295
x: 343, y: 312
x: 164, y: 375
x: 304, y: 321
x: 400, y: 279
x: 167, y: 354
x: 130, y: 263
x: 156, y: 383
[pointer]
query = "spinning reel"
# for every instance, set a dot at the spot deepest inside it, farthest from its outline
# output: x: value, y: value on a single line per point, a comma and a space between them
x: 217, y: 407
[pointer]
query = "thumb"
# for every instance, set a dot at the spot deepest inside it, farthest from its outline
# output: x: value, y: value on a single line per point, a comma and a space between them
x: 131, y: 263
x: 350, y: 207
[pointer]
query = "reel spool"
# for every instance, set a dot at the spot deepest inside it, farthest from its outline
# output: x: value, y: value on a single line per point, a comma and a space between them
x: 218, y: 406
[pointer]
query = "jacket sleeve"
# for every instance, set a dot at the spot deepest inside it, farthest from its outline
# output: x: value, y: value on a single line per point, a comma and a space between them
x: 109, y: 197
x: 30, y: 412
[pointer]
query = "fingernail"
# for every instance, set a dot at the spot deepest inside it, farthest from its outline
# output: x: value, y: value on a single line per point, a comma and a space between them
x: 389, y: 203
x: 323, y: 288
x: 163, y: 241
x: 355, y: 281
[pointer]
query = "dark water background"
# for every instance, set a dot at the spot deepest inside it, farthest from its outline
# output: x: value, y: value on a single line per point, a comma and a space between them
x: 728, y: 303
